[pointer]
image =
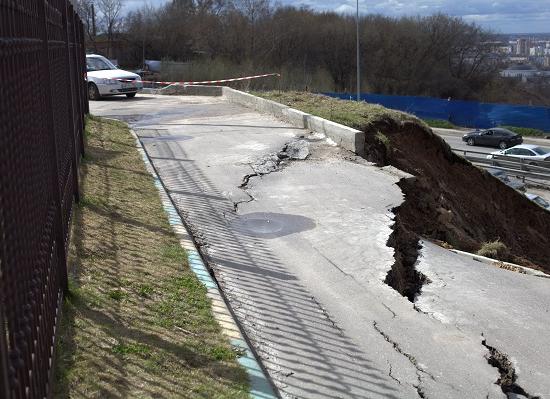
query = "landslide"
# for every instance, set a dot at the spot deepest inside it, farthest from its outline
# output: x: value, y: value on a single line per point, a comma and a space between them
x: 452, y: 201
x: 448, y: 200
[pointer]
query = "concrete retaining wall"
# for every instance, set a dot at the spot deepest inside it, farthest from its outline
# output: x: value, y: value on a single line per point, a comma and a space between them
x: 187, y: 90
x: 346, y: 137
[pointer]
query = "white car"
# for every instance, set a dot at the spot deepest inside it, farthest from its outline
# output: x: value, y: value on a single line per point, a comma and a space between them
x: 538, y: 200
x: 105, y: 79
x: 531, y: 154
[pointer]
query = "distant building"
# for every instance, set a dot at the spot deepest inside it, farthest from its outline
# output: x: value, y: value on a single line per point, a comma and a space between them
x: 522, y: 47
x: 518, y: 60
x: 524, y: 72
x: 506, y: 50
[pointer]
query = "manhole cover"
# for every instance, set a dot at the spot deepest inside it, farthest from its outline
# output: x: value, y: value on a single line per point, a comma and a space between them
x: 271, y: 225
x: 261, y: 226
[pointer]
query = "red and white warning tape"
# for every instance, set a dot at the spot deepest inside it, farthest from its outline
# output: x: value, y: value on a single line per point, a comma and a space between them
x: 205, y: 81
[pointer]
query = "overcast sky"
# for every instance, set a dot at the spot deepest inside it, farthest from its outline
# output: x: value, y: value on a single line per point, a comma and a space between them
x: 506, y: 16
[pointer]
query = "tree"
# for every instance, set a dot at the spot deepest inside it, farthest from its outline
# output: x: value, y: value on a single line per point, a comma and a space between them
x: 111, y: 19
x: 87, y: 11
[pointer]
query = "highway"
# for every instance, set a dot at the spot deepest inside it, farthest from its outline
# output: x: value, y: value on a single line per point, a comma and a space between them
x: 454, y: 139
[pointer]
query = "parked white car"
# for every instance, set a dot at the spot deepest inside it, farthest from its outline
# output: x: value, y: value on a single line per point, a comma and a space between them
x: 105, y: 79
x: 531, y: 154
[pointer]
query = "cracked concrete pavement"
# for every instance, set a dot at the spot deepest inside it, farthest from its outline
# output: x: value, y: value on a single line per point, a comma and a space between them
x: 300, y: 252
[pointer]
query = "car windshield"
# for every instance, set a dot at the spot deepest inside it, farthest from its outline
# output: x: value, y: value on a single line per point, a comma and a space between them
x: 98, y: 64
x: 540, y: 151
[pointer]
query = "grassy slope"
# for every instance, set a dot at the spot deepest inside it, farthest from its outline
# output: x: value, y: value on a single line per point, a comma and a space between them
x: 359, y: 115
x: 355, y: 114
x: 525, y: 131
x: 137, y: 322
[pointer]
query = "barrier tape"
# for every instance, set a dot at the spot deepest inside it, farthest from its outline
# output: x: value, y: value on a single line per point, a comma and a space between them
x: 205, y: 81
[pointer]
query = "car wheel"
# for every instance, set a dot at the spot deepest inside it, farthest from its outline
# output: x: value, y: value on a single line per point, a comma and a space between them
x: 502, y: 145
x: 93, y: 92
x: 131, y: 95
x: 471, y: 141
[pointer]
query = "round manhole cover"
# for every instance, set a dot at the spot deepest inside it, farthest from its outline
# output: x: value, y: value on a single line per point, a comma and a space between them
x: 271, y: 225
x: 261, y: 226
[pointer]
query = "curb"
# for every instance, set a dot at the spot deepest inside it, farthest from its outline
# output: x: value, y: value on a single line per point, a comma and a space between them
x: 498, y: 263
x: 346, y: 137
x: 260, y: 385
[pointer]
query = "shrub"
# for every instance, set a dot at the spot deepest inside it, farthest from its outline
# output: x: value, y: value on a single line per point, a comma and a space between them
x: 495, y: 250
x: 525, y: 131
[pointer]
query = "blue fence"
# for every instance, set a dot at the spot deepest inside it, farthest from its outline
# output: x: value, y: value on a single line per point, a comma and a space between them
x: 462, y: 113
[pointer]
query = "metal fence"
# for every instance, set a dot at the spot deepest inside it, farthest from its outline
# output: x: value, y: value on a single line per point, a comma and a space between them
x: 42, y: 106
x: 462, y: 113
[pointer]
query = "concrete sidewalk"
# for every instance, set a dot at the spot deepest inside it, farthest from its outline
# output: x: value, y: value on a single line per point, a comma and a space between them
x: 301, y: 255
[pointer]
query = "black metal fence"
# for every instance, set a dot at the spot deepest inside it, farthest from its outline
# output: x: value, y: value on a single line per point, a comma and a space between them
x: 42, y: 106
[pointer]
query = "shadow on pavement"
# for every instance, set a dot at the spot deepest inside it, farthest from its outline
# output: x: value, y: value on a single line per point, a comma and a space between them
x: 305, y: 353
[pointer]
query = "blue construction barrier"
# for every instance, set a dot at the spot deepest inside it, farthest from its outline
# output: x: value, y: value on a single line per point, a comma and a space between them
x: 461, y: 113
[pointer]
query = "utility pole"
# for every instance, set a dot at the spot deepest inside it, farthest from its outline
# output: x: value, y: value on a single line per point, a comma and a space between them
x: 358, y: 59
x: 93, y: 21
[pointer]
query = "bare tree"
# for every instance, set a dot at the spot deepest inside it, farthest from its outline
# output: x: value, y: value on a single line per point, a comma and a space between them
x: 87, y: 11
x: 111, y: 19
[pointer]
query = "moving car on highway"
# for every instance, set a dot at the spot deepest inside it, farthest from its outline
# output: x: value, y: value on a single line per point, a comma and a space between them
x: 529, y: 153
x: 105, y: 79
x: 496, y: 137
x: 538, y: 200
x: 516, y: 184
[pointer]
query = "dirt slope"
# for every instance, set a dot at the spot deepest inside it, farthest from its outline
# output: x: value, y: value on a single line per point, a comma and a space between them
x: 452, y: 201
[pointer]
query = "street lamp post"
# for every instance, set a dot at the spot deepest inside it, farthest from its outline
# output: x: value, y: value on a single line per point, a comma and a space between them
x: 358, y: 60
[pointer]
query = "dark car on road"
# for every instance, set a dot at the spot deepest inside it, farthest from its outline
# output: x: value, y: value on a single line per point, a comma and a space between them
x: 496, y: 137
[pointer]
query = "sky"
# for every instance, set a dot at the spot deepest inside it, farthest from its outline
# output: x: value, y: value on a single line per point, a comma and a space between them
x: 501, y: 16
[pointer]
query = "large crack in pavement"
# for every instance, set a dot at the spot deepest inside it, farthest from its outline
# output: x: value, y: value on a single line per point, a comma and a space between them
x: 273, y: 162
x: 508, y: 376
x: 403, y: 276
x: 419, y: 370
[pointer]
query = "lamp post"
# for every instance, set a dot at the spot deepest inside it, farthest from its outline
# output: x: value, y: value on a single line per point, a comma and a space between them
x: 358, y: 60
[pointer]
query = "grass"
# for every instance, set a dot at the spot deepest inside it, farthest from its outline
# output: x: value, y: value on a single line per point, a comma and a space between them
x: 358, y: 115
x: 439, y: 123
x: 136, y: 322
x: 382, y: 138
x: 494, y: 250
x: 526, y: 131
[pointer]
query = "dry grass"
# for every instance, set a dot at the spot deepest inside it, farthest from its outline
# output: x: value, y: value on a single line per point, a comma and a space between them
x: 358, y: 115
x: 137, y: 322
x: 495, y: 250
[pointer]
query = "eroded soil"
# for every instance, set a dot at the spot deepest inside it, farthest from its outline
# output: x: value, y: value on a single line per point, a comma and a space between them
x: 452, y: 201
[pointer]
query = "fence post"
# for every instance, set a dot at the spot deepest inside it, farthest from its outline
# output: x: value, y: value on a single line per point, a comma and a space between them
x: 70, y: 66
x: 46, y: 84
x: 4, y: 386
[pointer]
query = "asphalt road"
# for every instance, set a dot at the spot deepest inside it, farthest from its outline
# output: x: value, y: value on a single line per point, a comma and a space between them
x: 454, y: 139
x: 301, y: 255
